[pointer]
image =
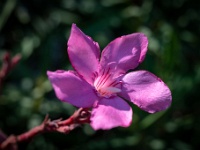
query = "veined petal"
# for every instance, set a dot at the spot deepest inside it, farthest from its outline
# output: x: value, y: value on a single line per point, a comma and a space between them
x: 125, y: 53
x: 84, y: 54
x: 146, y: 91
x: 72, y: 89
x: 110, y: 113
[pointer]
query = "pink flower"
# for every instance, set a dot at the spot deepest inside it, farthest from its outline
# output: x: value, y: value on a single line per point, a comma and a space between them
x: 102, y: 82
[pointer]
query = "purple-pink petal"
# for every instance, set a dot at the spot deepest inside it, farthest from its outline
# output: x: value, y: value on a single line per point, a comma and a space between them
x: 72, y: 89
x: 125, y: 53
x: 84, y: 54
x: 146, y: 91
x: 110, y: 113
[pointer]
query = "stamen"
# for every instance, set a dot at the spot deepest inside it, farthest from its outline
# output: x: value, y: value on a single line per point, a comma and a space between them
x: 106, y: 85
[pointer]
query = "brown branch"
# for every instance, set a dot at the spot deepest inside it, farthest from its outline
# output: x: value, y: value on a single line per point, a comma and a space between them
x: 7, y: 65
x: 79, y: 117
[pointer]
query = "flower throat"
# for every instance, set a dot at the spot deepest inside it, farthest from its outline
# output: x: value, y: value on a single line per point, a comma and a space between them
x: 105, y: 85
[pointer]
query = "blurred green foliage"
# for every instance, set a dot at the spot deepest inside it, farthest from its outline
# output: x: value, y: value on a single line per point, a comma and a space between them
x: 39, y: 30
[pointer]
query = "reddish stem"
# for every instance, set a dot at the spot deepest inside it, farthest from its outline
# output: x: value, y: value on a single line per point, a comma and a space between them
x: 31, y: 133
x: 79, y: 117
x: 7, y: 65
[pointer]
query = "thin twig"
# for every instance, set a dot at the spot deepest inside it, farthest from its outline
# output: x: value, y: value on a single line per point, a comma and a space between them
x: 7, y: 65
x: 79, y: 117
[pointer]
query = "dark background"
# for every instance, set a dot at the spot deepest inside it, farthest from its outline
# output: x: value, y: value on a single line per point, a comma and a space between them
x: 39, y: 30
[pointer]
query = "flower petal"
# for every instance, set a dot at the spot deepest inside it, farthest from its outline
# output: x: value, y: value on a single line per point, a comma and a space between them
x: 125, y: 53
x: 72, y: 89
x: 111, y: 113
x: 146, y: 91
x: 84, y: 54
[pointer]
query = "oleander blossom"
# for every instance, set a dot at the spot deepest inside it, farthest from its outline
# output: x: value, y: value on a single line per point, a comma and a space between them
x: 102, y: 81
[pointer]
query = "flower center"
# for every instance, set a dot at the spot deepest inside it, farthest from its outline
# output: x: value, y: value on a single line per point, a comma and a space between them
x: 106, y: 85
